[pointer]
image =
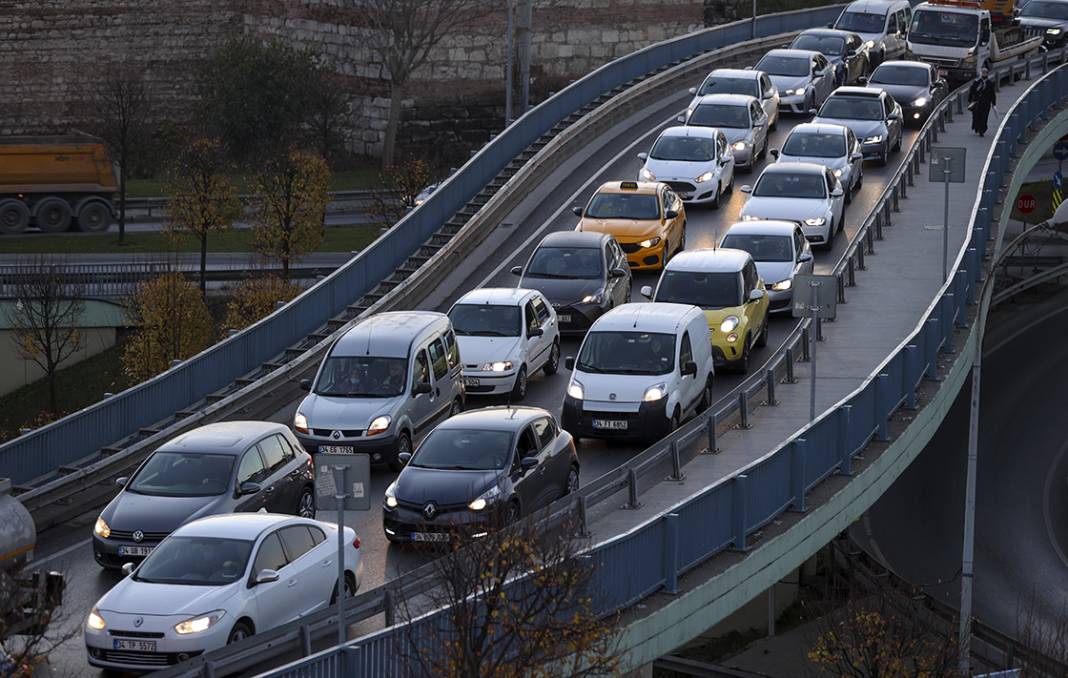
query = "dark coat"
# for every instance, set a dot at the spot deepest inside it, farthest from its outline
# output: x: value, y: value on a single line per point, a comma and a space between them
x: 981, y: 97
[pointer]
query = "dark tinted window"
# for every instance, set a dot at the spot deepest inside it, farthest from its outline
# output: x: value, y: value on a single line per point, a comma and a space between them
x: 720, y: 85
x: 720, y: 115
x: 686, y: 149
x: 422, y: 369
x: 297, y: 539
x: 528, y: 444
x: 891, y: 74
x: 685, y: 350
x: 761, y: 247
x: 545, y: 432
x: 623, y: 206
x: 826, y: 44
x: 362, y: 376
x: 437, y: 359
x: 251, y: 469
x: 541, y: 309
x: 180, y: 474
x: 196, y: 561
x: 559, y: 262
x: 861, y: 22
x: 706, y: 290
x: 273, y: 456
x: 794, y: 66
x: 1046, y: 10
x: 485, y: 320
x: 852, y: 108
x: 287, y: 449
x: 270, y: 556
x: 317, y: 535
x: 783, y: 185
x: 814, y: 145
x: 453, y: 350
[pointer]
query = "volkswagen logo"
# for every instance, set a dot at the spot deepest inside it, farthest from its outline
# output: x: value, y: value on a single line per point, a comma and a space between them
x: 138, y: 535
x: 138, y: 621
x: 336, y: 435
x: 611, y: 396
x: 430, y: 510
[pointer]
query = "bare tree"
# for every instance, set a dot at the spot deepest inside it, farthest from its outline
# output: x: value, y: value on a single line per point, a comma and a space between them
x: 121, y: 109
x: 402, y: 34
x: 327, y: 105
x: 45, y: 317
x: 32, y: 624
x: 398, y: 187
x: 514, y: 602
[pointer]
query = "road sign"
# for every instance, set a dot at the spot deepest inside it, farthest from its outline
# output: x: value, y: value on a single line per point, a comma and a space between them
x: 936, y: 167
x: 826, y: 296
x: 1060, y: 150
x: 1058, y: 179
x: 356, y: 485
x: 1026, y: 203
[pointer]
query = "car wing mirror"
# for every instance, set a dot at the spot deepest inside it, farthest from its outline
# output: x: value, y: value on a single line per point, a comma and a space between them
x: 422, y: 388
x: 746, y: 188
x: 857, y: 156
x: 862, y: 80
x: 404, y: 457
x: 756, y: 295
x: 121, y: 481
x: 265, y: 577
x: 517, y: 270
x: 681, y: 118
x: 643, y: 156
x: 813, y: 111
x: 245, y: 489
x: 689, y: 368
x: 671, y: 214
x: 805, y: 257
x: 305, y: 385
x: 774, y: 153
x: 569, y: 363
x: 837, y: 192
x: 535, y: 332
x: 528, y: 463
x: 647, y: 291
x: 127, y: 569
x: 618, y: 273
x: 693, y: 90
x: 577, y: 211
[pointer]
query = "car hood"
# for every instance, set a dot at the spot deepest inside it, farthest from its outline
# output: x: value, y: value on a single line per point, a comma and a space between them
x: 165, y: 600
x: 561, y: 291
x: 862, y: 128
x: 129, y: 512
x: 873, y: 37
x: 1038, y: 22
x: 785, y: 82
x: 734, y: 134
x: 791, y: 209
x: 420, y: 485
x: 486, y: 349
x: 620, y: 388
x: 905, y: 94
x: 832, y: 163
x: 344, y: 413
x: 679, y: 169
x: 626, y: 228
x: 772, y: 272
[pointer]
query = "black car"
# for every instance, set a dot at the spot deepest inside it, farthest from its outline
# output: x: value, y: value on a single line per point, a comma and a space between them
x: 479, y: 470
x: 220, y: 468
x: 1048, y: 18
x: 913, y: 84
x: 582, y: 274
x: 844, y: 49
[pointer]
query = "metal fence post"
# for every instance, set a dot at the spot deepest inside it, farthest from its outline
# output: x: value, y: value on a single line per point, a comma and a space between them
x: 743, y: 411
x: 882, y: 399
x: 797, y: 473
x: 879, y: 224
x: 676, y: 463
x: 671, y: 553
x: 932, y: 338
x: 583, y: 515
x: 769, y: 378
x: 790, y: 378
x: 840, y: 281
x: 632, y: 490
x: 912, y: 357
x: 208, y: 670
x: 305, y: 640
x: 711, y: 423
x: 845, y: 450
x: 387, y: 608
x: 948, y: 305
x: 804, y: 344
x: 860, y: 257
x: 894, y: 196
x: 738, y: 513
x: 851, y: 274
x: 961, y: 285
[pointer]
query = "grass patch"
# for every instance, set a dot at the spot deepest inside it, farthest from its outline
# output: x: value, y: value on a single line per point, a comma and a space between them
x: 340, y: 238
x: 350, y: 180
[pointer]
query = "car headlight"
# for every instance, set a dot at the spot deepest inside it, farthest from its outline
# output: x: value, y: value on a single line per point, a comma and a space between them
x: 485, y: 499
x: 497, y: 366
x: 783, y: 285
x: 816, y: 221
x: 391, y: 495
x: 873, y: 140
x: 575, y: 390
x: 729, y: 324
x: 732, y: 337
x: 838, y: 173
x: 419, y: 201
x: 199, y: 624
x: 645, y: 174
x: 651, y: 242
x: 795, y: 92
x: 1053, y: 31
x: 95, y: 621
x: 379, y: 425
x: 870, y: 44
x: 749, y: 217
x: 655, y: 392
x: 101, y: 529
x: 300, y: 423
x: 922, y: 101
x: 739, y: 145
x: 707, y: 176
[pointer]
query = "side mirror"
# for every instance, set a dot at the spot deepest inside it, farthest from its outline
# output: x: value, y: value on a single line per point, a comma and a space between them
x: 577, y: 211
x: 756, y: 295
x: 862, y: 80
x: 805, y: 257
x: 245, y: 489
x: 762, y: 121
x: 422, y: 388
x: 404, y: 457
x: 535, y: 332
x: 774, y: 153
x: 265, y: 577
x: 528, y: 463
x: 681, y: 118
x: 127, y: 569
x: 305, y: 385
x: 617, y: 273
x: 746, y: 188
x: 569, y: 363
x: 121, y: 481
x: 837, y: 192
x: 769, y: 94
x: 647, y: 291
x: 857, y: 156
x: 689, y: 368
x: 813, y: 111
x: 693, y: 90
x: 671, y: 214
x: 517, y: 270
x: 643, y: 156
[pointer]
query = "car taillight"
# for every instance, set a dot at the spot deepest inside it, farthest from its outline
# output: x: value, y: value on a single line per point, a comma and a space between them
x: 356, y: 543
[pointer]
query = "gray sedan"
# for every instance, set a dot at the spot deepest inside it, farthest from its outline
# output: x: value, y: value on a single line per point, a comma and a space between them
x: 845, y: 50
x: 833, y: 146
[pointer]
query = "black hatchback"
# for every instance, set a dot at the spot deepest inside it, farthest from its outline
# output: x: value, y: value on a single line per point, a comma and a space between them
x: 220, y: 468
x: 479, y: 470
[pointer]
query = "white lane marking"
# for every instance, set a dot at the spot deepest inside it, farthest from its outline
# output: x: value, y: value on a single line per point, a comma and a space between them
x: 60, y: 553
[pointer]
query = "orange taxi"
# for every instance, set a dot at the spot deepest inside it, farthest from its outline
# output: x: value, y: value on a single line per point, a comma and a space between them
x: 646, y: 218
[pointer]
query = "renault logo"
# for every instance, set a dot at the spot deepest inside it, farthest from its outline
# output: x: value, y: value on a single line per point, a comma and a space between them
x: 138, y: 621
x: 138, y: 535
x: 336, y: 435
x: 611, y: 396
x: 430, y: 510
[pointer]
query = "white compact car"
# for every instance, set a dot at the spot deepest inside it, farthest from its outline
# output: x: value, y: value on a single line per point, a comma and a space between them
x: 780, y: 251
x: 216, y: 581
x: 505, y: 335
x: 740, y: 81
x: 696, y: 162
x: 804, y: 78
x: 799, y: 191
x: 833, y: 146
x: 641, y: 371
x: 740, y: 118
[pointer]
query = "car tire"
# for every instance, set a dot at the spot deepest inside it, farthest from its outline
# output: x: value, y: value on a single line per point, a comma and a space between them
x: 884, y: 157
x: 774, y: 125
x: 715, y: 201
x: 675, y: 421
x: 404, y: 444
x: 742, y: 366
x: 572, y: 480
x: 512, y: 513
x: 762, y: 338
x: 350, y: 589
x: 456, y: 408
x: 306, y: 504
x: 240, y: 631
x: 553, y: 363
x: 706, y: 397
x: 519, y: 390
x: 897, y: 144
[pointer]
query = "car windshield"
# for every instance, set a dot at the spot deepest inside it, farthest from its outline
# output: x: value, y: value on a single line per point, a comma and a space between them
x: 1045, y: 10
x: 761, y: 247
x: 485, y: 320
x: 363, y: 376
x: 706, y: 290
x: 861, y: 22
x: 852, y: 108
x: 195, y: 561
x: 720, y: 85
x: 814, y: 145
x: 832, y: 45
x: 623, y: 206
x: 720, y: 115
x: 688, y: 149
x: 783, y: 185
x: 464, y: 450
x: 564, y: 262
x: 889, y: 74
x: 933, y: 27
x: 785, y: 65
x: 183, y: 474
x: 627, y: 353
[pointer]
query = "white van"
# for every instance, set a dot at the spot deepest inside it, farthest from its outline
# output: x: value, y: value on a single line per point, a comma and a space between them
x: 641, y: 371
x: 881, y: 24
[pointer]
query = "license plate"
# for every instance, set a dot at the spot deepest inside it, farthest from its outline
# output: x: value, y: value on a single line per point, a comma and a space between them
x: 612, y: 424
x: 430, y: 536
x: 138, y: 551
x: 564, y: 317
x: 336, y: 449
x: 472, y: 381
x: 134, y: 645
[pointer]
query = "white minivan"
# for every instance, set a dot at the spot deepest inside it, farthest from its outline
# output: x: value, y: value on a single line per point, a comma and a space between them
x: 641, y: 371
x: 881, y: 24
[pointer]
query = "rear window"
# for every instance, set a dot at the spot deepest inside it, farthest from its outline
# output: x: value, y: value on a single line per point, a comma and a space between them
x: 783, y: 185
x: 720, y: 85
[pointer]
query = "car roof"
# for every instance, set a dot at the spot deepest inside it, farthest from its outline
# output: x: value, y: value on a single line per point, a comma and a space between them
x: 709, y: 260
x: 817, y: 128
x: 690, y: 131
x: 589, y: 239
x: 636, y: 187
x: 506, y: 296
x: 858, y: 91
x: 740, y: 73
x: 795, y: 53
x: 870, y: 5
x: 793, y: 168
x: 763, y: 227
x: 237, y: 525
x: 500, y: 418
x: 649, y: 316
x: 827, y: 32
x: 225, y: 437
x: 387, y: 335
x: 727, y: 99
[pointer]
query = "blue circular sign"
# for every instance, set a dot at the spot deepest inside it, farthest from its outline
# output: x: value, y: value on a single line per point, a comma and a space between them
x: 1060, y: 150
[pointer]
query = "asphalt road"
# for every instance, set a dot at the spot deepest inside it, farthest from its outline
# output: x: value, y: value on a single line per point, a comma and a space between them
x: 1021, y: 538
x: 613, y: 158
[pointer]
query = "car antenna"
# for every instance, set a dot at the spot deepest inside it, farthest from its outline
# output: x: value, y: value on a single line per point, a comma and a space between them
x: 637, y: 312
x: 370, y: 328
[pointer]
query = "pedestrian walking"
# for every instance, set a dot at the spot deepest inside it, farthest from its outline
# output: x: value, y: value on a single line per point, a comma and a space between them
x: 981, y: 98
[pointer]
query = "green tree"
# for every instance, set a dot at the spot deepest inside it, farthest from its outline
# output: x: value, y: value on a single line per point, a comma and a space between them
x: 173, y: 323
x: 291, y: 203
x: 202, y: 198
x: 256, y: 298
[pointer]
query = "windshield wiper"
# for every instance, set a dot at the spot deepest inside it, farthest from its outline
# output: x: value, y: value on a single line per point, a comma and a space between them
x: 591, y: 369
x: 490, y: 333
x: 550, y: 275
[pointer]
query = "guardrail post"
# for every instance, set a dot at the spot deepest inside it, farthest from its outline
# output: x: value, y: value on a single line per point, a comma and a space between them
x: 921, y: 155
x: 960, y: 103
x: 894, y: 197
x: 840, y: 282
x: 805, y: 332
x: 851, y: 274
x: 879, y: 224
x: 882, y: 398
x: 819, y: 329
x: 949, y: 113
x: 887, y: 219
x: 912, y: 357
x: 1027, y: 70
x: 845, y: 452
x: 208, y: 670
x: 387, y: 608
x: 933, y: 339
x: 1045, y: 63
x: 948, y: 306
x: 671, y: 553
x: 961, y: 284
x: 903, y: 186
x: 583, y: 516
x: 711, y: 425
x: 738, y: 512
x: 790, y: 378
x: 797, y: 473
x: 305, y: 640
x: 676, y: 463
x: 632, y: 490
x: 869, y: 241
x: 974, y: 267
x: 932, y: 134
x: 349, y: 661
x: 910, y: 175
x: 743, y: 411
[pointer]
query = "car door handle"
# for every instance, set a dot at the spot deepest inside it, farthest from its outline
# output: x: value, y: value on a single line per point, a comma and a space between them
x: 328, y: 562
x: 291, y: 583
x: 269, y: 489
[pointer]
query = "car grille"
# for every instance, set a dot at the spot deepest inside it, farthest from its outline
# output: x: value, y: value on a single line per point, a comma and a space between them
x: 682, y: 186
x: 136, y: 634
x: 347, y: 432
x: 128, y: 536
x: 442, y: 508
x: 130, y: 657
x: 630, y: 247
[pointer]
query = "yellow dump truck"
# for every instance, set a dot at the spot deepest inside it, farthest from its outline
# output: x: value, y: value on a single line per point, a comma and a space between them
x: 56, y: 182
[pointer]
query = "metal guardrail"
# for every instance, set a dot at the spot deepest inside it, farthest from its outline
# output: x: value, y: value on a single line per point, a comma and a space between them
x: 91, y: 280
x: 652, y: 556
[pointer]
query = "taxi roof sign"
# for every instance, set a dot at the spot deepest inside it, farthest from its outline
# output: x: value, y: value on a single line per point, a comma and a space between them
x: 629, y: 185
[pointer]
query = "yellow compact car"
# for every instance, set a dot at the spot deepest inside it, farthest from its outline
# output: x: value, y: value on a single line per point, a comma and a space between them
x: 724, y: 283
x: 646, y: 218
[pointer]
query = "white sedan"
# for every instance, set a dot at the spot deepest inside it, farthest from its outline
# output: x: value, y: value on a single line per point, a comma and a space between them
x: 803, y: 192
x: 216, y: 581
x: 505, y: 335
x: 696, y: 162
